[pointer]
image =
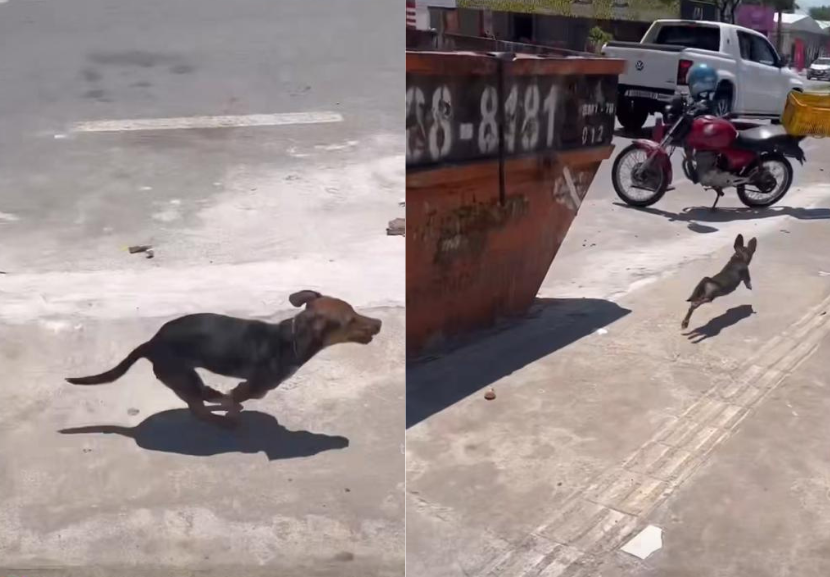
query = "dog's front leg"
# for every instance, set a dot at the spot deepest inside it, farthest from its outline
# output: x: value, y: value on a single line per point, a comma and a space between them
x: 746, y: 279
x: 688, y: 317
x: 251, y: 389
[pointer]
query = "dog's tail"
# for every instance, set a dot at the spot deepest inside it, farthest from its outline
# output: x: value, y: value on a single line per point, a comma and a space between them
x: 115, y: 373
x: 699, y: 290
x: 103, y: 429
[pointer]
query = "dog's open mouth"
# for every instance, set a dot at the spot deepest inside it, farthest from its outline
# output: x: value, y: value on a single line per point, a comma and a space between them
x: 364, y: 339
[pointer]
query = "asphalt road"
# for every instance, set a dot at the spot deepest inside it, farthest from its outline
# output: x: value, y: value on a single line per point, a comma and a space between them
x: 238, y: 218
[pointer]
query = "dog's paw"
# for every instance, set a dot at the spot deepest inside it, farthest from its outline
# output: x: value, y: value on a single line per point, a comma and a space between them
x: 684, y: 325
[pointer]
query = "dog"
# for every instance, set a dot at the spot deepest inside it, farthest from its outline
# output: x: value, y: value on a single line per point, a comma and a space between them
x: 726, y: 281
x: 263, y: 354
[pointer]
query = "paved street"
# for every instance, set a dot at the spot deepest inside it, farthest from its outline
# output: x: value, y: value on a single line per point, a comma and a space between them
x: 609, y: 418
x: 238, y: 217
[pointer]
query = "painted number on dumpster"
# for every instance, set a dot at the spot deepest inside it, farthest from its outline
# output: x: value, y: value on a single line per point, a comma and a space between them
x: 456, y: 119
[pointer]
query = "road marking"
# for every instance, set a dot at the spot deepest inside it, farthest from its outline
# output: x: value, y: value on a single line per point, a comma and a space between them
x: 190, y: 122
x: 599, y: 518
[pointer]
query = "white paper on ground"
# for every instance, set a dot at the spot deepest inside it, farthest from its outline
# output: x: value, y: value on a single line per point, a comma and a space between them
x: 645, y: 542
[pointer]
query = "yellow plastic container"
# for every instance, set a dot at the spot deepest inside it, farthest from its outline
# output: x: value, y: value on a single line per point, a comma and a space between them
x: 807, y: 114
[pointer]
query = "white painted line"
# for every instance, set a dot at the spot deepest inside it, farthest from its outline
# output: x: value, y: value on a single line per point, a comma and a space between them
x: 189, y: 122
x: 645, y: 542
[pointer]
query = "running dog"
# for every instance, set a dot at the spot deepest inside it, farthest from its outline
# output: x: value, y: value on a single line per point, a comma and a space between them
x: 726, y: 281
x: 263, y: 354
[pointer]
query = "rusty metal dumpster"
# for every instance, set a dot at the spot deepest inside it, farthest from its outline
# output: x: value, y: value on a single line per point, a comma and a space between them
x: 500, y: 152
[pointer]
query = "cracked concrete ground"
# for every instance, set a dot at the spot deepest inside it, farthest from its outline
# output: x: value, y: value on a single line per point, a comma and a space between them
x: 119, y: 479
x: 608, y: 417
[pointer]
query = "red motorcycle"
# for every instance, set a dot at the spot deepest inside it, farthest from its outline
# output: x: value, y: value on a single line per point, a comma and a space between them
x: 717, y: 155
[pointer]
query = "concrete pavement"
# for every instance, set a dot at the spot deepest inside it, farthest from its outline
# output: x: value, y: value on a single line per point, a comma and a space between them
x: 312, y: 483
x: 608, y: 417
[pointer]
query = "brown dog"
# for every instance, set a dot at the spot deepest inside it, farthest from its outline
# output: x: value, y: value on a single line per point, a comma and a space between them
x: 726, y: 281
x: 263, y: 354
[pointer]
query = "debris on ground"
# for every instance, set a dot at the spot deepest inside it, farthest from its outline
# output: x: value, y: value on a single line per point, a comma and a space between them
x: 645, y: 542
x: 490, y: 394
x: 396, y: 227
x: 142, y: 248
x: 132, y: 412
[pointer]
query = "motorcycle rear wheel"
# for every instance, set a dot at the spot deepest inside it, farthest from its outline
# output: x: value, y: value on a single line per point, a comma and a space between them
x: 627, y: 160
x: 755, y: 197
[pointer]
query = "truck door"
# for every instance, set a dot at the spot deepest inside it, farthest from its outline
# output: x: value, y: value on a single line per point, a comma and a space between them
x: 763, y: 79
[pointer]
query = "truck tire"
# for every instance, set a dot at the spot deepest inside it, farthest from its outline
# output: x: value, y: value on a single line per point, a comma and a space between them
x: 722, y: 103
x: 630, y: 115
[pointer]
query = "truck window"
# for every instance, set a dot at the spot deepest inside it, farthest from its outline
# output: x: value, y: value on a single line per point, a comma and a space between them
x: 701, y: 37
x: 762, y: 52
x: 745, y: 40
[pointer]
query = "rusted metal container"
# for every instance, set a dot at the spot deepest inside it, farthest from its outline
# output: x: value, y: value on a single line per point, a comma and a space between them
x: 501, y: 150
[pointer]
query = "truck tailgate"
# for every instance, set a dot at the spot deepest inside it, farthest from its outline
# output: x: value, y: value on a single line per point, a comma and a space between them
x: 648, y: 65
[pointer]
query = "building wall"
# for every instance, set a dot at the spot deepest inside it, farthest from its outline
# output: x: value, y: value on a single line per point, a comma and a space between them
x: 637, y: 10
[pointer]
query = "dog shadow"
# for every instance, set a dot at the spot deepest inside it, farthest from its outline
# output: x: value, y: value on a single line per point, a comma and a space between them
x: 714, y: 327
x: 177, y: 431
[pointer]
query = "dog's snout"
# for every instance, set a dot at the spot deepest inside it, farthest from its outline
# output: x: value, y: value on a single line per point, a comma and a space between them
x: 375, y: 325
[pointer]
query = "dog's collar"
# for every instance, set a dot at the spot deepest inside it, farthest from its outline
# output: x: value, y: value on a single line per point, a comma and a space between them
x: 294, y: 338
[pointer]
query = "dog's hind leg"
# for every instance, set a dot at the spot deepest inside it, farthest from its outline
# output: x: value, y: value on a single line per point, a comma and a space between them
x: 189, y: 387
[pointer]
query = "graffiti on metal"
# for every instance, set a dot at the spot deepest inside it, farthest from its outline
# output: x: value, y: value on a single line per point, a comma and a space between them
x: 453, y: 119
x: 637, y: 10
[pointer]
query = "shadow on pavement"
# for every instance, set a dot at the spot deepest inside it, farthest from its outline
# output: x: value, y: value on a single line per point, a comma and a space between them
x: 438, y: 382
x: 177, y: 431
x: 699, y: 214
x: 714, y: 327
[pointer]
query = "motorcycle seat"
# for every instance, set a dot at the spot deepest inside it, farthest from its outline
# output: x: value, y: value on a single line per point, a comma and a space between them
x: 763, y: 137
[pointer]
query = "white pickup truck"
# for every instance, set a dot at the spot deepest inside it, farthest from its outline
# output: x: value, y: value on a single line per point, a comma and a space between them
x: 754, y: 79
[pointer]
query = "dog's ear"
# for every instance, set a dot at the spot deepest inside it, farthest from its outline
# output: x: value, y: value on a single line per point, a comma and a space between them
x: 753, y: 244
x: 300, y: 298
x: 739, y: 241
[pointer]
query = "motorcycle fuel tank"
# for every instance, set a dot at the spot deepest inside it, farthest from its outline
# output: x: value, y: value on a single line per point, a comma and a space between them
x: 711, y: 133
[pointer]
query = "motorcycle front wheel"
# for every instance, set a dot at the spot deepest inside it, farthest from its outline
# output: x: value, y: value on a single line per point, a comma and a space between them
x: 763, y: 195
x: 643, y: 191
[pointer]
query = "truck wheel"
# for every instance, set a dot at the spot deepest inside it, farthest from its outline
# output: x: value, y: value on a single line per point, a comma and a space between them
x: 630, y: 115
x: 722, y: 103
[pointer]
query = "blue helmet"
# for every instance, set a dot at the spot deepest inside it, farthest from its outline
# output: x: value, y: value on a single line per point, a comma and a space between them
x: 702, y: 79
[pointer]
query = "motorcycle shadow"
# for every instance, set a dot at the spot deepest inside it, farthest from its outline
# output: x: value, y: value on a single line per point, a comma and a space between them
x: 693, y: 216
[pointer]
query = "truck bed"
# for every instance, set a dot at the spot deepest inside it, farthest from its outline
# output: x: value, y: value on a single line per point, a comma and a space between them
x: 639, y: 45
x: 649, y: 65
